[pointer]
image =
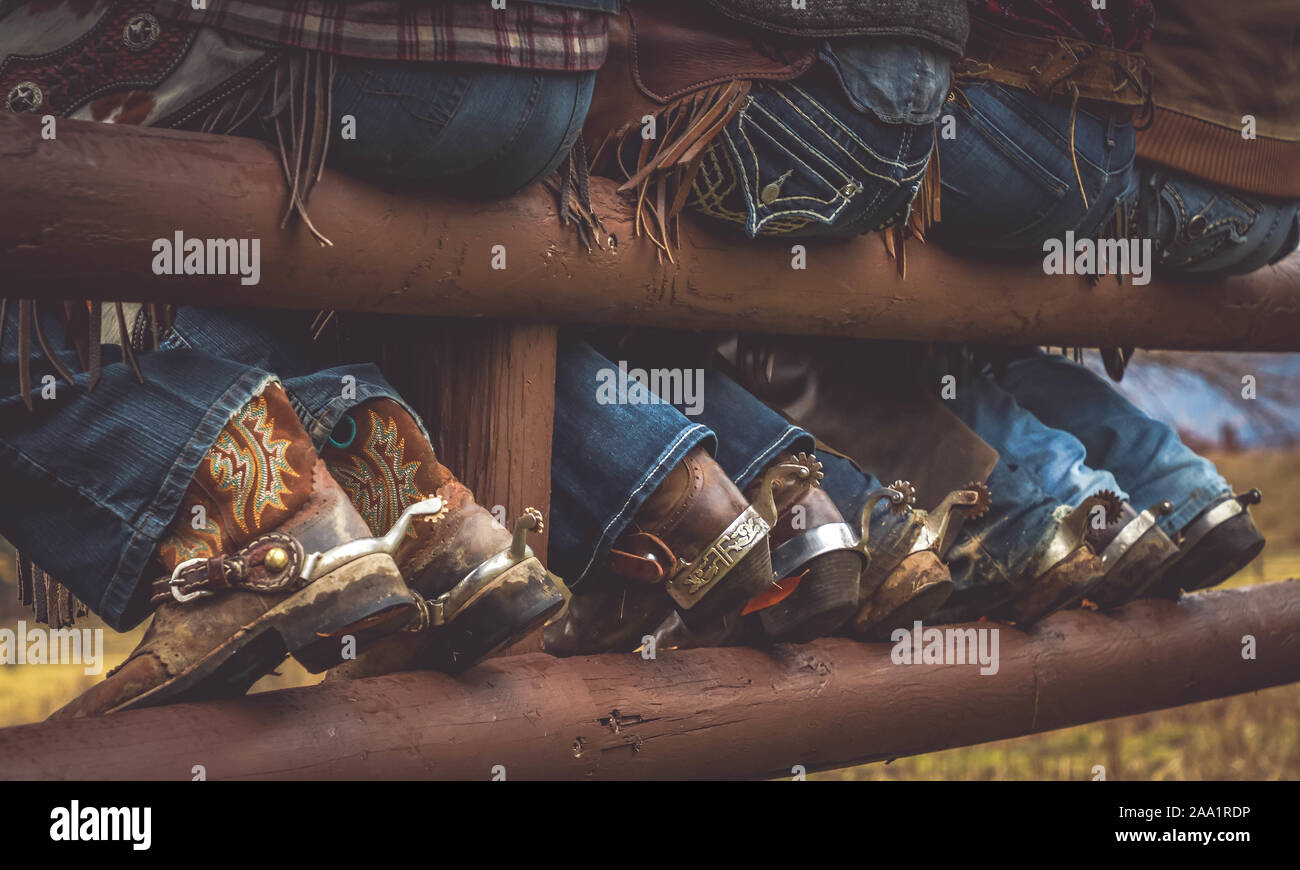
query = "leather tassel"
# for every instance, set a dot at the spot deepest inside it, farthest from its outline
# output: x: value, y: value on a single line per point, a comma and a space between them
x: 95, y: 349
x: 46, y: 349
x: 40, y: 601
x: 668, y: 165
x: 301, y: 94
x: 77, y: 331
x: 23, y: 570
x: 128, y: 354
x: 925, y: 210
x: 901, y: 241
x: 25, y: 352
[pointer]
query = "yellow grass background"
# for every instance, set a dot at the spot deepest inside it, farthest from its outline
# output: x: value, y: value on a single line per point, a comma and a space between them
x: 1254, y: 736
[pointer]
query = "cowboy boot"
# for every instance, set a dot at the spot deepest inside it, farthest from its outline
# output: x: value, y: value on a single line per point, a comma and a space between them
x: 480, y: 586
x: 695, y: 546
x: 1134, y: 553
x: 817, y: 560
x: 1217, y: 543
x: 1065, y: 568
x: 263, y: 560
x: 906, y: 580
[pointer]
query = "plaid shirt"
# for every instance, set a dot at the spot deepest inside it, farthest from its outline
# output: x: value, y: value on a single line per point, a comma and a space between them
x: 1125, y: 24
x: 464, y: 31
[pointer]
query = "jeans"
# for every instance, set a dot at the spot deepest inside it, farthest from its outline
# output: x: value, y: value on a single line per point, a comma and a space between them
x: 839, y: 152
x: 608, y: 458
x: 92, y: 479
x: 611, y: 451
x: 1041, y: 474
x: 482, y: 130
x: 1146, y: 457
x: 1063, y: 434
x: 1007, y: 178
x: 1200, y: 229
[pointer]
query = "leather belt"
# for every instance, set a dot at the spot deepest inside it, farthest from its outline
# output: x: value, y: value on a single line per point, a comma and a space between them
x: 1048, y: 67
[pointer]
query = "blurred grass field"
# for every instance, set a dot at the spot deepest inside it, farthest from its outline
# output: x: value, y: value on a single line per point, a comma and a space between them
x: 1247, y: 737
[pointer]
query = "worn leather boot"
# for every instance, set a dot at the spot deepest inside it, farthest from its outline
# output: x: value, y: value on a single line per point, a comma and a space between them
x: 480, y: 586
x: 695, y: 546
x: 1217, y: 543
x: 1066, y: 568
x: 817, y: 559
x: 267, y: 557
x: 906, y: 579
x: 1134, y: 553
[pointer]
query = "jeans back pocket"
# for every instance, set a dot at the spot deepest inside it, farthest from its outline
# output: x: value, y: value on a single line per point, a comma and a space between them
x: 787, y: 161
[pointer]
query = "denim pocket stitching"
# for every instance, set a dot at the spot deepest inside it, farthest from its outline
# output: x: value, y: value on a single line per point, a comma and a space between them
x: 803, y: 142
x: 838, y: 123
x: 1007, y: 97
x: 1013, y: 152
x: 753, y: 202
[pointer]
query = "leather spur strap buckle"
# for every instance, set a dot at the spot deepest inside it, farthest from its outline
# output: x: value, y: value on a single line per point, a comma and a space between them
x: 275, y: 562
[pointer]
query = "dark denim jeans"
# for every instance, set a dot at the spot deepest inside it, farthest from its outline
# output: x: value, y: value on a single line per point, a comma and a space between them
x: 1007, y: 179
x: 609, y: 456
x: 1201, y: 229
x: 482, y: 130
x: 839, y: 152
x: 91, y: 479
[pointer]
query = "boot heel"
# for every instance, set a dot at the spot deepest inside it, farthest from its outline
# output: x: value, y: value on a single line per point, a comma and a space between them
x: 918, y: 587
x: 826, y: 596
x: 506, y: 608
x: 363, y: 600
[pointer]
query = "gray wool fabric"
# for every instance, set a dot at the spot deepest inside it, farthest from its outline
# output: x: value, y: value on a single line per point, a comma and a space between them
x: 942, y: 22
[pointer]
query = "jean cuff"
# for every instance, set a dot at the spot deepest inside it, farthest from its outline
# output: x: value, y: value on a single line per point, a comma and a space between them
x: 793, y: 439
x: 686, y: 441
x: 122, y: 605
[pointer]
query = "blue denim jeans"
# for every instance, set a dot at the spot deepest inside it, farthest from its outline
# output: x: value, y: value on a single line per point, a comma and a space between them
x: 1007, y: 179
x: 1063, y: 434
x: 92, y: 479
x: 1146, y: 457
x: 608, y: 456
x: 482, y: 130
x: 1041, y: 474
x: 1202, y: 229
x: 839, y: 152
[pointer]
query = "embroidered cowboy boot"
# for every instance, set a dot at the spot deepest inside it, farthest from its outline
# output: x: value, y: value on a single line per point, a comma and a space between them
x: 695, y: 546
x: 266, y: 557
x: 481, y: 587
x: 817, y: 560
x: 1217, y: 543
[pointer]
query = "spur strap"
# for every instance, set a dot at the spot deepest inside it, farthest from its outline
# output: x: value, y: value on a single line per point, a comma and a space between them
x: 269, y: 563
